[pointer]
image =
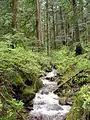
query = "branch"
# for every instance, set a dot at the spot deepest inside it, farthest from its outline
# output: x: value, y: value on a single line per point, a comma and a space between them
x: 59, y: 86
x: 4, y: 98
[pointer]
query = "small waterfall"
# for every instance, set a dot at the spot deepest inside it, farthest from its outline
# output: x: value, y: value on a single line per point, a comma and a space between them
x: 45, y: 104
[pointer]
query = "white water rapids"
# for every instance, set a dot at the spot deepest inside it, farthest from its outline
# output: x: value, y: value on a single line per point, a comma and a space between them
x: 45, y: 104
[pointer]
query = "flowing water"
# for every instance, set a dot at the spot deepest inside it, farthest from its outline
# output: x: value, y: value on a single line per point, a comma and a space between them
x: 45, y: 104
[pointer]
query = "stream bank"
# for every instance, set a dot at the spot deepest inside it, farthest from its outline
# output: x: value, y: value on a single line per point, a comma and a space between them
x: 46, y: 104
x: 20, y: 71
x: 49, y: 106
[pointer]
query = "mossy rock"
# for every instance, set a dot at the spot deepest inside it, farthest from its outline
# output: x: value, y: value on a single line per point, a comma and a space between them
x: 28, y: 90
x: 69, y: 93
x: 81, y: 105
x: 63, y: 100
x: 38, y: 84
x: 28, y: 95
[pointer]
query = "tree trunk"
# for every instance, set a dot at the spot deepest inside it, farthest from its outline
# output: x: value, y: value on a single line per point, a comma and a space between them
x: 48, y: 29
x: 15, y: 18
x: 61, y: 18
x: 75, y: 21
x: 44, y: 27
x: 57, y: 24
x: 54, y: 34
x: 39, y: 26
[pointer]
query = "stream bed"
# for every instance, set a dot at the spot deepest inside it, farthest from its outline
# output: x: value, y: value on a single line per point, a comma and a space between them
x: 46, y: 104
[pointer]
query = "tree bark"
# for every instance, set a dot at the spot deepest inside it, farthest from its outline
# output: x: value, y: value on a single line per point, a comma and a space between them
x: 39, y: 25
x: 48, y: 28
x: 54, y: 33
x: 57, y: 24
x: 75, y: 21
x: 61, y: 17
x: 15, y: 18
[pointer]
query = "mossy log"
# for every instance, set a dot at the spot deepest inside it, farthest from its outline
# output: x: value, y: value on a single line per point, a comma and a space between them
x: 66, y: 81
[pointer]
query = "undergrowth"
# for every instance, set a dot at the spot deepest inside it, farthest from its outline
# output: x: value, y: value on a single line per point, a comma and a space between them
x: 81, y: 107
x: 20, y: 69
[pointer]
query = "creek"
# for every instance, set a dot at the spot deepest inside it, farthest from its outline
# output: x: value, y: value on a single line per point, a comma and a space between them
x: 46, y: 104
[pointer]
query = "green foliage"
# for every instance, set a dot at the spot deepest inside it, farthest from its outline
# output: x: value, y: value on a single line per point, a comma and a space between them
x: 16, y: 40
x: 37, y: 85
x: 86, y: 96
x: 66, y: 61
x: 5, y: 17
x: 81, y: 103
x: 73, y: 73
x: 28, y: 90
x: 21, y: 68
x: 9, y: 109
x: 14, y: 62
x: 17, y: 66
x: 19, y: 59
x: 15, y: 78
x: 27, y: 17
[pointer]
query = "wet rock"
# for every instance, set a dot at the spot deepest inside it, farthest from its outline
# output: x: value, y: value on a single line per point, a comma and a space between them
x: 63, y: 100
x: 66, y: 100
x: 55, y: 107
x: 69, y: 103
x: 34, y: 118
x: 29, y: 108
x: 27, y: 99
x: 51, y: 75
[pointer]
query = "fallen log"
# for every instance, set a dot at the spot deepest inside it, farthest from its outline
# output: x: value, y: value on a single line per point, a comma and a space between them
x: 66, y: 81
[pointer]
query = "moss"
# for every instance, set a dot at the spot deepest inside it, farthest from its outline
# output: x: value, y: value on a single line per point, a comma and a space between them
x: 69, y: 93
x: 63, y: 100
x: 19, y: 80
x: 28, y: 90
x: 70, y: 86
x: 28, y: 95
x: 78, y: 110
x: 38, y: 84
x: 23, y: 68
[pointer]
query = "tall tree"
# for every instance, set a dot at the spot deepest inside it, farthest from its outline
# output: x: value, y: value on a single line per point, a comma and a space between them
x: 57, y: 30
x: 39, y: 25
x: 48, y: 28
x: 75, y: 21
x: 15, y: 17
x: 54, y: 33
x: 61, y: 17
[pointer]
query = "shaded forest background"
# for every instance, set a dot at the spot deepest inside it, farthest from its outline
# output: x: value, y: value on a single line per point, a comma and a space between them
x: 36, y: 35
x: 46, y: 24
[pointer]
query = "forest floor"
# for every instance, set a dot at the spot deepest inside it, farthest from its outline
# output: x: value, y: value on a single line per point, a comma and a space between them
x: 20, y: 70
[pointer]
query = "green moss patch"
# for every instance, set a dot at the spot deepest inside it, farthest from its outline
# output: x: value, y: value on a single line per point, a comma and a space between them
x: 81, y: 107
